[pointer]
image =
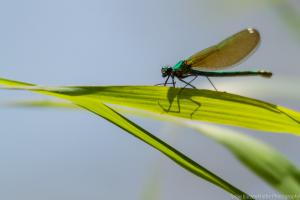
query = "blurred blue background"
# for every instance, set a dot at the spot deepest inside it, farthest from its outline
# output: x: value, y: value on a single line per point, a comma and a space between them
x: 58, y: 154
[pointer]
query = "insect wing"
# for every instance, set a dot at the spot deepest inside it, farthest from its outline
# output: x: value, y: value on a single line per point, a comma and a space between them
x: 227, y: 53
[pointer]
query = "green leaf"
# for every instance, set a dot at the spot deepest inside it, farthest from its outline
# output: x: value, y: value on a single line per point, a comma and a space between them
x: 95, y: 105
x: 262, y: 159
x: 41, y: 104
x: 202, y: 105
x: 259, y: 157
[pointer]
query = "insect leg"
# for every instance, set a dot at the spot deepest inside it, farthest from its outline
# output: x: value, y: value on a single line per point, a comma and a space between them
x: 192, y: 80
x: 211, y: 83
x: 173, y: 82
x: 188, y: 83
x: 166, y: 81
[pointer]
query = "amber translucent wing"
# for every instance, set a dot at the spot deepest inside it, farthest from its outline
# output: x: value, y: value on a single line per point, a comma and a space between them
x: 227, y: 53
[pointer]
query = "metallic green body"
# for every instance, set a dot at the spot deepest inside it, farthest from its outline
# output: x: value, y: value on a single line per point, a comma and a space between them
x: 262, y: 73
x: 179, y: 65
x: 181, y: 69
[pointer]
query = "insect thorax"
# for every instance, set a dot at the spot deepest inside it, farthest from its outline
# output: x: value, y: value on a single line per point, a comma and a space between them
x: 181, y: 68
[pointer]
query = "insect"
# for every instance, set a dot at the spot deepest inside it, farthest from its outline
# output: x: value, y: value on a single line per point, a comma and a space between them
x: 225, y: 54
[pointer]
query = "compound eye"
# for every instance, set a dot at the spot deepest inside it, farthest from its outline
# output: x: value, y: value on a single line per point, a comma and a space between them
x: 165, y: 71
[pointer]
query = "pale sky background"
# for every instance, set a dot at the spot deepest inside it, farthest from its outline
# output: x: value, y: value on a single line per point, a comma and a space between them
x: 50, y: 154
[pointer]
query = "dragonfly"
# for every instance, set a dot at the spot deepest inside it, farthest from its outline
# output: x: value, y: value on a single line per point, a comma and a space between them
x: 211, y: 61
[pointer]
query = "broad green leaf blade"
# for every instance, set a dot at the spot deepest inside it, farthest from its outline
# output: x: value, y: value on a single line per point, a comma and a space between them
x: 199, y: 105
x: 203, y: 105
x: 97, y: 107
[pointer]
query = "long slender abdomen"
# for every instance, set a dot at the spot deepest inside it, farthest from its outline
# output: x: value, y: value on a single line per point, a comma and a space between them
x: 262, y: 73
